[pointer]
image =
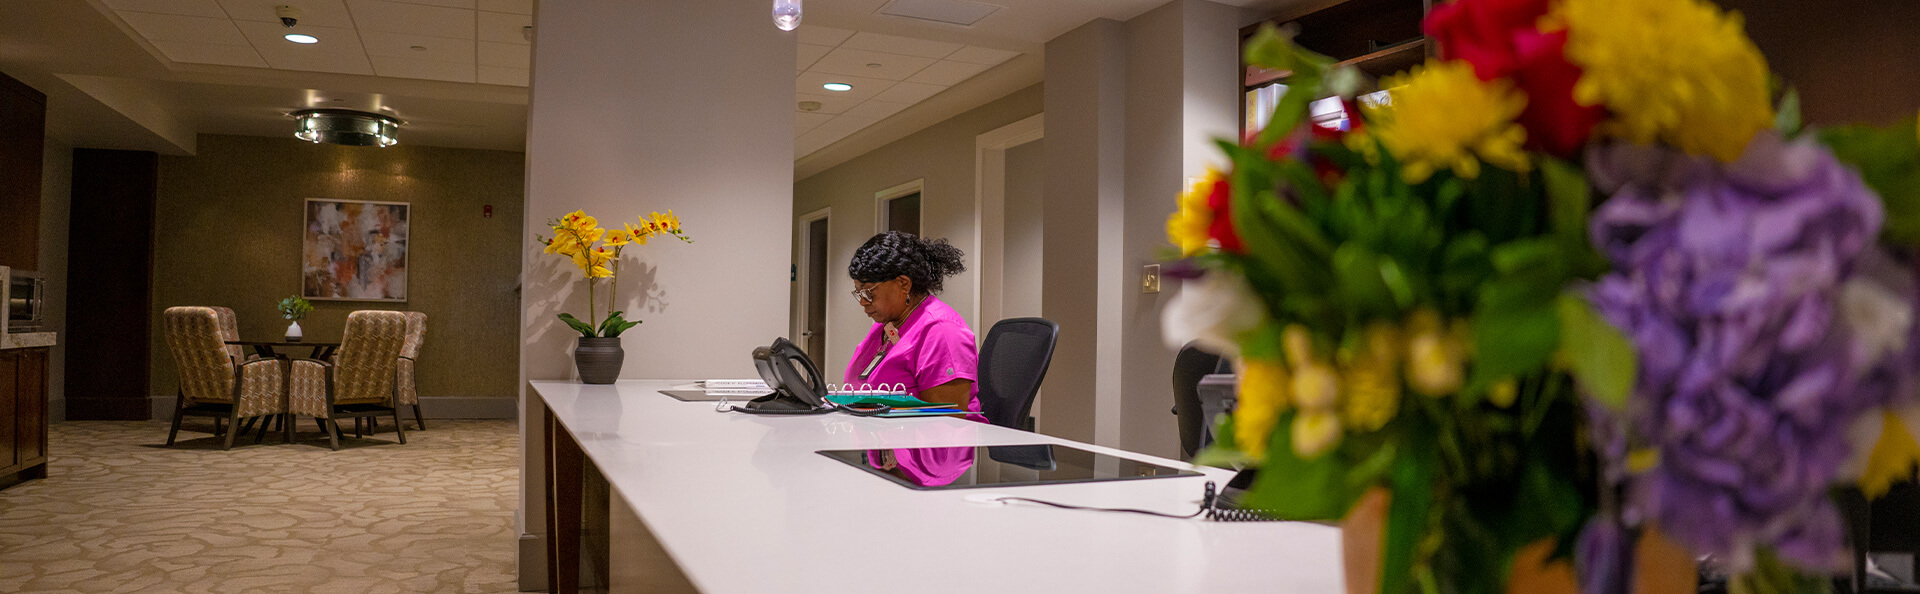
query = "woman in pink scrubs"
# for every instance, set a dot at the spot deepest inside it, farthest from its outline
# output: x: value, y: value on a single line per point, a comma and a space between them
x: 916, y: 341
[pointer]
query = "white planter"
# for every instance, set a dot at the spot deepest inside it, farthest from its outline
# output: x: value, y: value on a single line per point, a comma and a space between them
x: 293, y: 332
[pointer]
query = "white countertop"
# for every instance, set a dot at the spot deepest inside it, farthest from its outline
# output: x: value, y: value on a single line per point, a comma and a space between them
x: 21, y: 340
x: 744, y: 505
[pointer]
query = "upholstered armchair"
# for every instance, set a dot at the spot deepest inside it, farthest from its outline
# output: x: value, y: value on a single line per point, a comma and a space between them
x: 359, y: 380
x: 212, y: 382
x: 409, y: 393
x: 230, y: 331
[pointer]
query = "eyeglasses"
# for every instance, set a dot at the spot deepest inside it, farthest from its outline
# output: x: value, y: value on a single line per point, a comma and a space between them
x: 864, y: 296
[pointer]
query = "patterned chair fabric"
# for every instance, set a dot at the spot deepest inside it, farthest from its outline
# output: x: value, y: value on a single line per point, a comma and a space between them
x: 206, y: 371
x: 230, y: 330
x: 409, y: 393
x: 363, y: 371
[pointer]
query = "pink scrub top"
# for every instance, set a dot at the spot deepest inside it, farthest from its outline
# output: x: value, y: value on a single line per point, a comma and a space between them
x: 935, y: 347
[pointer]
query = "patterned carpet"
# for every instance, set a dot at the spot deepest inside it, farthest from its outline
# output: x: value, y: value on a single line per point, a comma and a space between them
x: 120, y: 513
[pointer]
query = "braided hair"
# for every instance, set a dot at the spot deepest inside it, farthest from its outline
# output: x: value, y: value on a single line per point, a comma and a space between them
x: 890, y: 255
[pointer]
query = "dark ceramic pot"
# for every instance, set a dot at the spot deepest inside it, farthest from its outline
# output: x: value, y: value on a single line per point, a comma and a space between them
x: 599, y: 359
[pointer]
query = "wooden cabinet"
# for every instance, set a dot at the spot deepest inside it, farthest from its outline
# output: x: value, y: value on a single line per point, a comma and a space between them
x: 23, y: 124
x: 23, y: 415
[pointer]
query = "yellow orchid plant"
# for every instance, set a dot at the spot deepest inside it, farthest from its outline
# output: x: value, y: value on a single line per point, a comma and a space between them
x: 596, y: 252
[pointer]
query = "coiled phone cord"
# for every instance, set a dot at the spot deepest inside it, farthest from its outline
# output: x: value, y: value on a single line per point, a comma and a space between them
x: 1209, y: 507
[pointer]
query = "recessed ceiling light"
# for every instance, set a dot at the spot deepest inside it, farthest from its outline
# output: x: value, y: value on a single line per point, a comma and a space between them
x: 837, y: 87
x: 298, y: 38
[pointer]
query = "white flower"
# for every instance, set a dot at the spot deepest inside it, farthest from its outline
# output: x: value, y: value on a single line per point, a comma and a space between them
x: 1212, y: 310
x: 1877, y: 318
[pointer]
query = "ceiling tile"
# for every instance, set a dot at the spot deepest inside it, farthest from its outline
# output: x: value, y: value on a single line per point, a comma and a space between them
x: 828, y: 36
x: 982, y: 55
x: 506, y: 54
x: 504, y: 28
x: 876, y: 109
x: 507, y: 6
x: 320, y: 62
x: 270, y: 39
x: 186, y: 29
x: 207, y: 53
x: 907, y: 92
x: 467, y: 4
x: 900, y: 45
x: 317, y: 13
x: 829, y: 104
x: 394, y: 17
x: 947, y: 72
x: 804, y: 145
x: 497, y: 75
x: 808, y: 53
x: 863, y: 88
x: 855, y: 62
x: 427, y: 69
x: 831, y: 131
x: 802, y: 122
x: 399, y: 45
x: 199, y: 8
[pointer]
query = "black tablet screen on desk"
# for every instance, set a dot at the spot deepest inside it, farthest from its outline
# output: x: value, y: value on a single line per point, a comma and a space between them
x: 970, y: 467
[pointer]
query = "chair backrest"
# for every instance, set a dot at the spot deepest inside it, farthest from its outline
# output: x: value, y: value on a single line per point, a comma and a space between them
x: 200, y: 353
x: 1013, y: 361
x: 1188, y: 367
x: 230, y: 330
x: 369, y: 351
x: 416, y: 334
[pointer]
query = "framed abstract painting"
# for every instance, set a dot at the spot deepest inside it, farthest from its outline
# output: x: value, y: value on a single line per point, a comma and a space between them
x: 354, y: 250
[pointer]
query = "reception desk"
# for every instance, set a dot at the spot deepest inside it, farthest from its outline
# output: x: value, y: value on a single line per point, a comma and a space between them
x: 734, y: 503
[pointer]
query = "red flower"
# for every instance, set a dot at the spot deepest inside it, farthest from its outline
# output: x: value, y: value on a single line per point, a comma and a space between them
x: 1220, y: 201
x: 1501, y: 39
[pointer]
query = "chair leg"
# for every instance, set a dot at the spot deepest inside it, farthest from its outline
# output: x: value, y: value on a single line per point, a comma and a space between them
x: 178, y: 411
x: 217, y: 429
x: 373, y: 426
x: 262, y: 434
x: 359, y: 424
x: 233, y: 427
x: 399, y: 430
x: 418, y: 420
x: 247, y: 427
x: 286, y: 425
x: 332, y: 427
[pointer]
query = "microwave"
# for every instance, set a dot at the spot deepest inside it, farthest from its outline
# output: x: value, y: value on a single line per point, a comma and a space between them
x: 25, y: 300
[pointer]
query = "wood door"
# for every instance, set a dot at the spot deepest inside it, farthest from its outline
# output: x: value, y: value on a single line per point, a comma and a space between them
x: 30, y: 435
x: 118, y: 190
x: 816, y: 332
x: 9, y: 409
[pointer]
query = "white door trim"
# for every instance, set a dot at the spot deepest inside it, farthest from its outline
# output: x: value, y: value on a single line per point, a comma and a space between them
x: 989, y: 212
x: 880, y: 199
x: 805, y: 275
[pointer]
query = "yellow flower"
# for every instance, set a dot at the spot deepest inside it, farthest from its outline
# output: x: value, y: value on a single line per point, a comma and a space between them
x: 1503, y: 393
x: 617, y: 237
x: 1314, y: 432
x: 572, y: 220
x: 1436, y: 358
x: 563, y: 244
x: 665, y: 223
x: 1263, y: 394
x: 638, y: 235
x: 590, y: 234
x: 1681, y: 72
x: 1444, y: 117
x: 1372, y: 379
x: 1314, y: 385
x: 1893, y: 457
x: 1187, y: 228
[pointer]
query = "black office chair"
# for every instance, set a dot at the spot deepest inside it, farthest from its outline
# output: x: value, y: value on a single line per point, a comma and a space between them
x: 1188, y: 367
x: 1013, y: 361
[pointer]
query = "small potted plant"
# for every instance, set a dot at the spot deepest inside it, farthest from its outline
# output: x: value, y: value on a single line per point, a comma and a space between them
x: 596, y: 251
x: 293, y: 308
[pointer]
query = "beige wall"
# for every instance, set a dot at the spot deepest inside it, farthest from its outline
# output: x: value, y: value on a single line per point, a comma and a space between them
x: 228, y: 232
x: 1024, y: 250
x: 942, y: 155
x: 56, y: 198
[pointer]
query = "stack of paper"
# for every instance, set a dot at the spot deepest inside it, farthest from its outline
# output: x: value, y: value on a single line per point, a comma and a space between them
x: 736, y: 387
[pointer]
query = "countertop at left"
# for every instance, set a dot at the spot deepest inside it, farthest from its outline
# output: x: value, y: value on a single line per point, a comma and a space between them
x: 24, y: 340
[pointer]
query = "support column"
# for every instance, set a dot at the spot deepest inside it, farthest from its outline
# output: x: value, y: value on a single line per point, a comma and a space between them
x: 646, y: 105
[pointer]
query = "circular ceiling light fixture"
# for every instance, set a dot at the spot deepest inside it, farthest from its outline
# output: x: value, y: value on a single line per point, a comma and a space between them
x: 347, y: 127
x: 837, y: 86
x: 786, y: 14
x: 298, y: 38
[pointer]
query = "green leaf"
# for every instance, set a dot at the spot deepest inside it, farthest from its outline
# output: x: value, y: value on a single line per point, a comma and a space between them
x: 1598, y: 356
x: 1407, y: 513
x: 1889, y: 160
x: 1512, y: 341
x: 1569, y: 198
x: 1786, y: 117
x: 1298, y: 489
x: 582, y: 327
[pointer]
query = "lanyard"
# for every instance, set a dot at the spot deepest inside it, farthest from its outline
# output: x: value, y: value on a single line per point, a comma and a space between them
x: 888, y: 346
x: 876, y: 360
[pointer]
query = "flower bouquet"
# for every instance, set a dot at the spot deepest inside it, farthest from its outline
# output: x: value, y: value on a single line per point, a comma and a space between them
x: 596, y: 252
x: 1575, y: 287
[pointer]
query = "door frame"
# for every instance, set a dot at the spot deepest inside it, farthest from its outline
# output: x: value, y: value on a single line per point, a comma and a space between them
x: 990, y: 211
x: 803, y: 276
x: 880, y: 198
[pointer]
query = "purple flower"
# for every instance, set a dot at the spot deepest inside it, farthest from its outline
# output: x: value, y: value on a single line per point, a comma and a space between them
x: 1727, y: 279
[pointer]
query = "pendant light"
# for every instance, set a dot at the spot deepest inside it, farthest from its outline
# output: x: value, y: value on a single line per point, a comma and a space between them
x: 786, y: 14
x: 347, y: 127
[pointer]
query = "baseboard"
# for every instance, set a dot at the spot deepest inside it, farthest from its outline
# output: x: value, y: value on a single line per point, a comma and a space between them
x: 434, y: 407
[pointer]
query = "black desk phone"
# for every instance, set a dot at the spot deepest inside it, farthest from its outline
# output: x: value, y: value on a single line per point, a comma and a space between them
x: 798, y: 387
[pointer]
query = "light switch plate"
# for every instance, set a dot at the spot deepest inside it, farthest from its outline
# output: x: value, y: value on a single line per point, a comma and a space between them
x: 1150, y: 279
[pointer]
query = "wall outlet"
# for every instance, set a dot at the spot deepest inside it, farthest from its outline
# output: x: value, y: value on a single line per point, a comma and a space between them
x: 1150, y: 279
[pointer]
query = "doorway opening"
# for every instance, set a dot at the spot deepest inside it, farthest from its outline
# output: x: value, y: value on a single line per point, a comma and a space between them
x: 813, y: 284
